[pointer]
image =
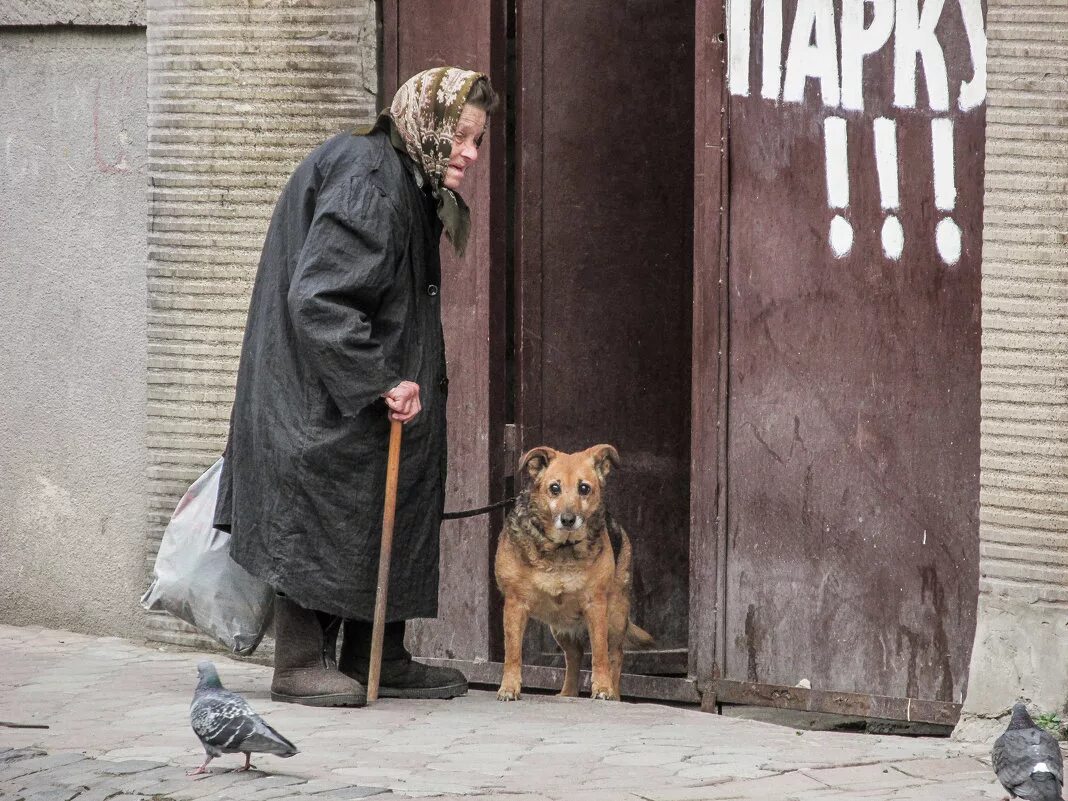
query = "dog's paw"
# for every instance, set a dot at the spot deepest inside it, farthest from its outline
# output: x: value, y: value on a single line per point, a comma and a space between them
x: 603, y: 694
x: 508, y: 694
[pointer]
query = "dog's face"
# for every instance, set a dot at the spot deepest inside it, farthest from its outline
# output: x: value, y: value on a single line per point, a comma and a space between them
x: 567, y: 488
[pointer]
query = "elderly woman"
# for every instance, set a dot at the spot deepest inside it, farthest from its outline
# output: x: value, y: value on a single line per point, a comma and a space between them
x: 344, y: 333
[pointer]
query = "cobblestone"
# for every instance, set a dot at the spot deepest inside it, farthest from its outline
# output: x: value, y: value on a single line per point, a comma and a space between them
x: 53, y: 794
x: 103, y: 793
x: 129, y: 766
x: 118, y: 722
x: 36, y: 764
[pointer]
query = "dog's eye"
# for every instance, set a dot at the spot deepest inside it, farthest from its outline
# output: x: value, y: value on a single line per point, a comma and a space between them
x: 584, y: 488
x: 554, y: 488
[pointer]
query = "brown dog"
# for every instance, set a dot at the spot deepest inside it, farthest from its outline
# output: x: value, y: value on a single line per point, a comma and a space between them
x: 555, y: 562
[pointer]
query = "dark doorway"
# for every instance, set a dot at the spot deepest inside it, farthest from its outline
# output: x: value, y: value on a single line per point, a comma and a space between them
x: 605, y: 273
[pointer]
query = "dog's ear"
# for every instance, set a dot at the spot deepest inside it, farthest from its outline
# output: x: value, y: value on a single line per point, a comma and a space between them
x: 604, y: 458
x: 535, y: 460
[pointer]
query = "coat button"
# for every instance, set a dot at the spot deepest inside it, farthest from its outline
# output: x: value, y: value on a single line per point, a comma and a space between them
x: 432, y: 289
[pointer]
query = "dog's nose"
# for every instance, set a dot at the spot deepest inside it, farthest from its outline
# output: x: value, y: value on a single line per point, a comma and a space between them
x: 567, y: 520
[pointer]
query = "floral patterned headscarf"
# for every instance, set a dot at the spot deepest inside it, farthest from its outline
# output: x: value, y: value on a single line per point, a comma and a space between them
x: 422, y: 120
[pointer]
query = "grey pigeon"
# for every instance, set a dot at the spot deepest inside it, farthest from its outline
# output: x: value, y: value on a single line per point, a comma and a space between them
x: 1027, y: 759
x: 226, y: 724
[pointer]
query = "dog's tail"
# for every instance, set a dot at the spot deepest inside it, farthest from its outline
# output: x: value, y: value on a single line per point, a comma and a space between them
x: 638, y: 638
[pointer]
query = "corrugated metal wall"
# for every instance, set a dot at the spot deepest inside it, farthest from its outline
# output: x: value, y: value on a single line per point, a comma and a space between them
x: 239, y: 91
x: 1021, y: 644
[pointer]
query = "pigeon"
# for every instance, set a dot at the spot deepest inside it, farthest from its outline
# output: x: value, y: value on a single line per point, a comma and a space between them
x: 1027, y: 759
x: 226, y: 724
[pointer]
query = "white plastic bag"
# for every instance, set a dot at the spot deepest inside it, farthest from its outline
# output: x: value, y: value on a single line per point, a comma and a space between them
x: 196, y: 580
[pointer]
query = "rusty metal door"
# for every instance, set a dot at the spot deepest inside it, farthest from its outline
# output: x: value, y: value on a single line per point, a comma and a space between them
x: 604, y: 209
x: 855, y: 211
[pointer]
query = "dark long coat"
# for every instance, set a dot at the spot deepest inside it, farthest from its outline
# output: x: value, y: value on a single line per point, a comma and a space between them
x: 345, y: 306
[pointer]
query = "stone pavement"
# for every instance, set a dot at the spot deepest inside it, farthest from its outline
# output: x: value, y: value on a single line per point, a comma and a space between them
x: 118, y: 729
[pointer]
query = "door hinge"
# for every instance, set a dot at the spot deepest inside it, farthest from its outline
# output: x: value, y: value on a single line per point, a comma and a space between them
x: 510, y: 448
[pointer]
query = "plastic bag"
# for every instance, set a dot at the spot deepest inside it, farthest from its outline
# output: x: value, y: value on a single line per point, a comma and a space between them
x: 195, y: 579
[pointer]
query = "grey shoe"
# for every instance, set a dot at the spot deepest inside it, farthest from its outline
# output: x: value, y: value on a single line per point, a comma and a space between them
x: 402, y: 676
x: 305, y: 666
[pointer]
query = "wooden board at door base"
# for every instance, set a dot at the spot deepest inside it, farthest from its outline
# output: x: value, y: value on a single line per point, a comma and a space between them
x: 864, y: 705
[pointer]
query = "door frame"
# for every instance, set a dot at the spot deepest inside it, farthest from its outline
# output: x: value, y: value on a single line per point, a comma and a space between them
x: 479, y: 653
x: 709, y: 390
x: 468, y: 547
x: 708, y: 437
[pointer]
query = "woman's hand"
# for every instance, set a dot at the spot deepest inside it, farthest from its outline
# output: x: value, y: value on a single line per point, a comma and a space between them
x: 403, y: 401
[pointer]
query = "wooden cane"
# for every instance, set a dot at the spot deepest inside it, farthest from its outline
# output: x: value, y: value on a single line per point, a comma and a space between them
x: 374, y: 669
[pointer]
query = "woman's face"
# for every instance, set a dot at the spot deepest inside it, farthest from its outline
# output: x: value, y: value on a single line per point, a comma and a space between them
x: 465, y: 144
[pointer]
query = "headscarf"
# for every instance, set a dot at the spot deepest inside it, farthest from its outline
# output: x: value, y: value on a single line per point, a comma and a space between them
x: 421, y: 122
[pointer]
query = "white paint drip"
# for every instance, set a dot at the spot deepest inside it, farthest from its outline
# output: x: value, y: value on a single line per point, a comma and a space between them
x: 813, y: 52
x: 771, y: 53
x: 947, y: 232
x: 945, y: 185
x: 739, y: 14
x: 858, y: 42
x: 893, y: 238
x: 915, y: 35
x: 948, y: 240
x: 886, y: 161
x: 841, y: 236
x: 925, y: 536
x: 886, y: 164
x: 836, y: 150
x: 973, y: 92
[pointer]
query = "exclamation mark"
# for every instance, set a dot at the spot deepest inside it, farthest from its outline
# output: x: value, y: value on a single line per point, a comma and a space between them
x: 947, y: 232
x: 837, y: 156
x: 889, y: 197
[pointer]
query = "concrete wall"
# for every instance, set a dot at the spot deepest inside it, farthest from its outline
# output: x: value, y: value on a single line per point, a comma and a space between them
x: 72, y: 325
x: 91, y: 315
x: 72, y: 12
x: 1021, y: 642
x: 240, y: 91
